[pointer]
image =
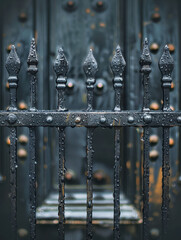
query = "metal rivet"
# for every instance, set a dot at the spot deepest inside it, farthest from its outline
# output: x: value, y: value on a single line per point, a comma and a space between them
x: 154, y: 47
x: 23, y: 139
x: 100, y: 85
x: 7, y: 85
x: 153, y: 154
x: 70, y: 85
x: 179, y: 119
x: 155, y: 232
x: 22, y: 153
x: 12, y: 118
x: 70, y: 175
x: 22, y: 106
x: 154, y: 139
x: 8, y: 140
x: 147, y: 118
x: 130, y: 119
x: 9, y: 48
x: 77, y: 120
x: 102, y: 120
x: 171, y: 47
x: 49, y: 119
x: 22, y: 232
x: 23, y: 17
x: 156, y: 17
x: 172, y: 85
x: 171, y: 142
x: 154, y: 106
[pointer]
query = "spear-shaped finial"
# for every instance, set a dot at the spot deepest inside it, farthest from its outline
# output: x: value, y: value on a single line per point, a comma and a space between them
x: 145, y: 58
x: 61, y: 68
x: 117, y: 66
x: 13, y: 67
x: 118, y: 63
x: 166, y: 63
x: 32, y: 57
x: 90, y: 69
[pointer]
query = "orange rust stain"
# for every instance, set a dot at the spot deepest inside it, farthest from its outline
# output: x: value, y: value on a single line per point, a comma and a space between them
x: 101, y: 24
x: 8, y: 140
x: 137, y: 182
x: 139, y: 35
x: 156, y: 214
x: 18, y: 44
x: 157, y: 9
x: 128, y: 164
x: 158, y: 188
x: 45, y: 166
x: 137, y: 164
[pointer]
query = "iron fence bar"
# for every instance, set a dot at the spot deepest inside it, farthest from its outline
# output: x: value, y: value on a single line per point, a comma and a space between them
x: 166, y: 66
x: 90, y: 119
x: 61, y: 69
x: 13, y: 68
x: 117, y: 65
x: 32, y: 69
x: 90, y: 69
x: 145, y: 62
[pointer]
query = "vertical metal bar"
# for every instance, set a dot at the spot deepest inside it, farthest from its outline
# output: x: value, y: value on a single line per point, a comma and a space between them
x: 166, y: 66
x: 117, y: 65
x: 145, y: 62
x: 32, y: 69
x: 61, y: 68
x: 13, y: 67
x: 90, y: 69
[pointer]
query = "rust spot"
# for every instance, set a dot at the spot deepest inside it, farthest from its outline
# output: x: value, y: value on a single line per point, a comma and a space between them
x: 23, y: 139
x: 156, y: 9
x: 153, y: 154
x: 172, y: 85
x: 22, y: 106
x: 158, y: 188
x: 8, y: 140
x: 154, y: 47
x: 140, y: 35
x: 22, y: 153
x: 154, y: 139
x: 9, y: 48
x: 23, y: 17
x: 45, y: 166
x: 7, y: 85
x: 93, y: 26
x: 129, y: 145
x: 171, y: 142
x: 154, y: 106
x: 128, y: 164
x: 102, y: 24
x: 18, y: 44
x: 87, y: 10
x: 156, y: 17
x: 171, y: 47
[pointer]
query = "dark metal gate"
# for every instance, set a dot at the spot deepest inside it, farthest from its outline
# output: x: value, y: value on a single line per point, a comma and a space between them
x: 90, y: 119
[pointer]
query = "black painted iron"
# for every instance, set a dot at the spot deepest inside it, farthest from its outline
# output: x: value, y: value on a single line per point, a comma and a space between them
x: 90, y: 69
x: 13, y: 68
x: 90, y: 119
x: 32, y: 70
x: 166, y: 66
x: 117, y: 65
x: 145, y: 62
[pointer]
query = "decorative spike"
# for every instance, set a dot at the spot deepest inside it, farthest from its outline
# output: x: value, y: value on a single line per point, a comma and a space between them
x: 90, y: 65
x: 61, y: 64
x: 32, y: 57
x: 166, y: 63
x: 61, y: 68
x: 145, y: 58
x: 118, y: 63
x: 13, y: 62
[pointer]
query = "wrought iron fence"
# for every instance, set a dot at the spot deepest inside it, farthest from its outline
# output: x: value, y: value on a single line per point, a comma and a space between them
x: 62, y: 118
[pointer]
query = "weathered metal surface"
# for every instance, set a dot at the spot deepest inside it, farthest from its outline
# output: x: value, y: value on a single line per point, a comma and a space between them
x: 145, y: 62
x: 166, y: 66
x: 32, y: 70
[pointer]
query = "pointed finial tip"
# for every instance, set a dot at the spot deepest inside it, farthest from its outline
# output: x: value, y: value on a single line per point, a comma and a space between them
x: 166, y: 47
x: 146, y: 40
x: 90, y: 65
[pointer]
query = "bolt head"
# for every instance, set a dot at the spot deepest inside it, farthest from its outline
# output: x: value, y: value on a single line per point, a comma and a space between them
x: 12, y: 118
x: 147, y: 118
x: 102, y: 120
x: 179, y: 119
x: 49, y: 119
x: 77, y: 120
x: 131, y: 119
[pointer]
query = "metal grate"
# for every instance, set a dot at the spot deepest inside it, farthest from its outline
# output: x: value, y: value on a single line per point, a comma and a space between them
x: 62, y: 118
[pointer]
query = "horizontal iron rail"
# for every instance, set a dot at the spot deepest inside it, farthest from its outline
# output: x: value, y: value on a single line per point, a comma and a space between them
x: 89, y: 119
